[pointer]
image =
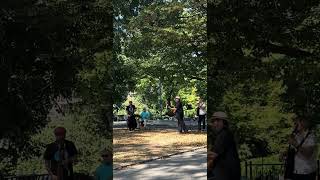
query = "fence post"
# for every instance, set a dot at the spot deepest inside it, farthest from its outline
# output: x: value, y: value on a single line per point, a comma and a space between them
x: 250, y: 169
x: 246, y: 168
x: 318, y: 168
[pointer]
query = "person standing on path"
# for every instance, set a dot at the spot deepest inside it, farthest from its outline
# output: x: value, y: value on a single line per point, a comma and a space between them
x: 60, y: 156
x: 179, y: 114
x: 105, y: 171
x: 201, y: 112
x: 223, y: 158
x: 132, y: 124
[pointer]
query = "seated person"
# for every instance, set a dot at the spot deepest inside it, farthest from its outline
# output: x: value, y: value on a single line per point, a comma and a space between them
x: 145, y: 115
x: 104, y: 171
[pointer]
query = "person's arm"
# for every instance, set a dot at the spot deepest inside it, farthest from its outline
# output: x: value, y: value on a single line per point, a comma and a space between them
x: 47, y: 162
x: 306, y: 152
x: 203, y: 106
x: 127, y: 110
x: 73, y: 154
x: 221, y: 144
x: 47, y: 166
x: 96, y: 174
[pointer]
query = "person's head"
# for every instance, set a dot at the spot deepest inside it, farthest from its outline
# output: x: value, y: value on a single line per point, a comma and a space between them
x: 301, y: 123
x: 144, y: 109
x: 177, y: 99
x: 106, y: 156
x: 60, y: 133
x: 200, y: 100
x: 130, y: 102
x: 219, y: 120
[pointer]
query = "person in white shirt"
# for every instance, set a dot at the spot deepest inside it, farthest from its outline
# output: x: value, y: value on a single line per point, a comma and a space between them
x: 201, y: 112
x: 305, y: 161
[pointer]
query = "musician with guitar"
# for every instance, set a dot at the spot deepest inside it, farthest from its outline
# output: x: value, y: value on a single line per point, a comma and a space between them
x: 301, y: 163
x: 60, y: 156
x: 179, y: 115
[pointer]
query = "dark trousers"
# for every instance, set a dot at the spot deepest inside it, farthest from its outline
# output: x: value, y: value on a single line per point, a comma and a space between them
x: 132, y: 124
x: 202, y: 118
x: 311, y: 176
x: 181, y: 124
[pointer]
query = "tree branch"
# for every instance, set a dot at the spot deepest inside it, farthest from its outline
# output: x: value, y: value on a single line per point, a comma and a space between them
x: 290, y: 51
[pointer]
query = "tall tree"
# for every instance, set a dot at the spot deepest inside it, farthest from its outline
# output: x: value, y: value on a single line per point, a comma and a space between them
x: 43, y: 46
x: 166, y: 41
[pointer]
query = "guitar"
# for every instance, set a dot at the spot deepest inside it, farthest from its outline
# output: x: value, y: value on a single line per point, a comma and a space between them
x: 61, y: 167
x: 289, y: 164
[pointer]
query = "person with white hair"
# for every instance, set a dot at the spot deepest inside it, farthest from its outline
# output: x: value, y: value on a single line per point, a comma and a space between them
x: 223, y: 158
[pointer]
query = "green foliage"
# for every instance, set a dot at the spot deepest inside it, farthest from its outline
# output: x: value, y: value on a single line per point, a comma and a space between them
x: 82, y: 130
x: 253, y: 115
x: 44, y: 44
x: 263, y: 60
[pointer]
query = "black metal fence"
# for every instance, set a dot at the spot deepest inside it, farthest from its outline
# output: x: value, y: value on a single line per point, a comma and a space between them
x: 77, y: 176
x: 266, y: 171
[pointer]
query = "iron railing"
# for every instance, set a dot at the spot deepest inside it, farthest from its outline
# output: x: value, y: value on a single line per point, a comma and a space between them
x: 266, y: 171
x: 77, y: 176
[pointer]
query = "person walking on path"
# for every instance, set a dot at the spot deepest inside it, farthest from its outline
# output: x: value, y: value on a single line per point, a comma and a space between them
x: 179, y: 114
x: 145, y: 115
x: 132, y: 124
x: 201, y: 112
x: 223, y: 159
x: 105, y: 171
x: 60, y: 156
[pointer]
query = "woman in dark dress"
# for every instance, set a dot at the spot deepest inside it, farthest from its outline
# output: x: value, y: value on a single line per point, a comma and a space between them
x: 132, y: 124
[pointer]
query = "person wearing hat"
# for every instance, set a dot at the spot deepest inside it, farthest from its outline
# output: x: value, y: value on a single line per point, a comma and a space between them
x: 179, y: 114
x: 303, y: 141
x: 60, y: 156
x: 104, y: 171
x: 223, y: 158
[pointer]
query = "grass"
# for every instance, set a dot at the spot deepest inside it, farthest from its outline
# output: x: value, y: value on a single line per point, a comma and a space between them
x: 132, y: 147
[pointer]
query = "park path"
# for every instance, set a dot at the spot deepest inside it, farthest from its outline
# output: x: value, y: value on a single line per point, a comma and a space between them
x: 161, y: 124
x: 187, y: 166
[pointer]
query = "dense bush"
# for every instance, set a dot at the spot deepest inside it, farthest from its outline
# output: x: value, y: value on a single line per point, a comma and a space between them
x: 82, y: 130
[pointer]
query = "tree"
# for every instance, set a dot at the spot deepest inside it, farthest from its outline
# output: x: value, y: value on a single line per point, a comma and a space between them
x: 166, y: 42
x: 253, y: 43
x: 251, y: 31
x: 44, y: 44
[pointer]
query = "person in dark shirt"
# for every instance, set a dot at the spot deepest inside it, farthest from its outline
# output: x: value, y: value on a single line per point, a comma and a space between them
x: 223, y: 158
x: 132, y: 124
x: 60, y: 156
x: 179, y: 114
